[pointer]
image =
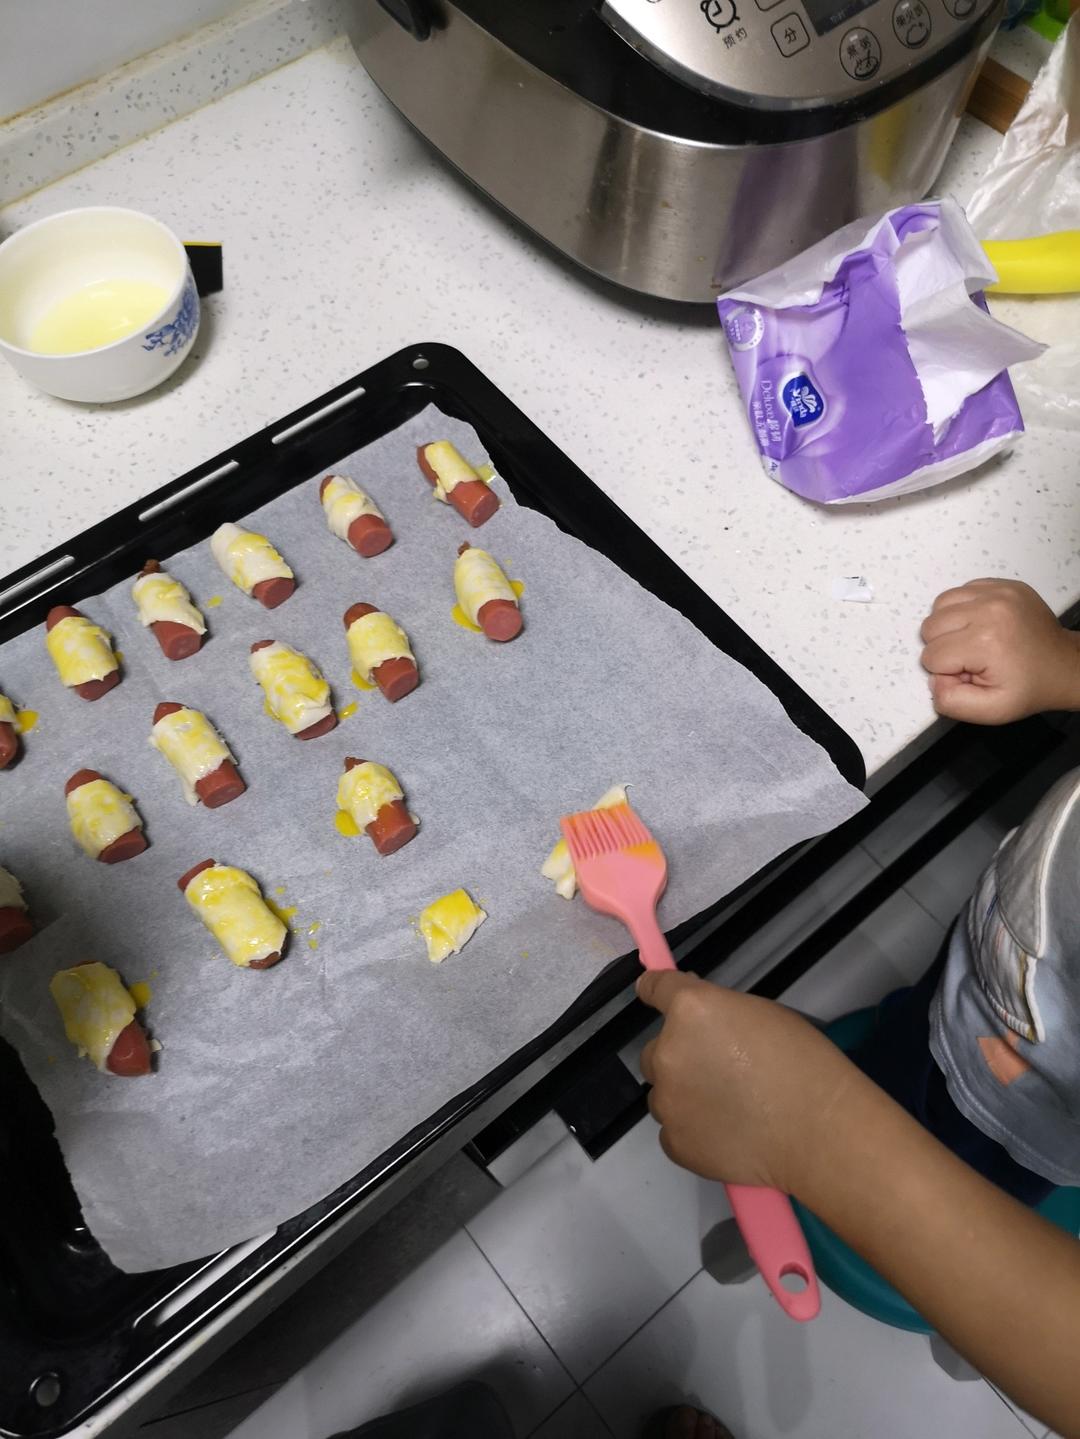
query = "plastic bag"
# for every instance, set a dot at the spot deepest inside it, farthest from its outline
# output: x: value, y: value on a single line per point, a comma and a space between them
x: 868, y: 364
x: 1033, y: 188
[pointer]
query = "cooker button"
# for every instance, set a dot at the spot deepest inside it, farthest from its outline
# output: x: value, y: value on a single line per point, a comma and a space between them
x: 960, y: 9
x: 911, y: 23
x: 790, y: 35
x: 860, y: 53
x: 769, y: 4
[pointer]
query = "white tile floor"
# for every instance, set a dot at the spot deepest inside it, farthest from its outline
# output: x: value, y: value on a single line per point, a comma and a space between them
x: 577, y: 1291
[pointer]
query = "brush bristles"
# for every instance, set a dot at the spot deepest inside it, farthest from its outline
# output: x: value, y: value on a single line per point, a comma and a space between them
x: 594, y: 832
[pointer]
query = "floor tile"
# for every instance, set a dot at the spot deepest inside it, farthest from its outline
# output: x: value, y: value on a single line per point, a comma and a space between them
x: 944, y: 885
x: 520, y: 1156
x: 349, y: 1285
x: 209, y: 1421
x: 931, y: 803
x: 800, y: 915
x: 451, y: 1319
x: 733, y: 1351
x: 892, y: 948
x: 576, y: 1419
x: 591, y: 1250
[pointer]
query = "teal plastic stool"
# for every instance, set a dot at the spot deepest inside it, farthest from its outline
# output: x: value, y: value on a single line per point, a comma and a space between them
x: 852, y: 1278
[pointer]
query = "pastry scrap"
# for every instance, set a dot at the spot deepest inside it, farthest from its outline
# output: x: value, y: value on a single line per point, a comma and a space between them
x: 81, y: 652
x: 380, y: 653
x: 198, y: 754
x: 231, y: 906
x: 296, y: 693
x: 372, y: 798
x: 253, y: 565
x: 165, y: 606
x: 456, y: 482
x: 99, y: 1018
x: 9, y: 732
x: 558, y: 866
x: 16, y: 926
x: 103, y: 819
x: 485, y: 595
x: 448, y: 924
x: 354, y: 516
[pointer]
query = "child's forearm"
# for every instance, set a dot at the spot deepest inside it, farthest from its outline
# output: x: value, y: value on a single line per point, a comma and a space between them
x: 996, y: 1280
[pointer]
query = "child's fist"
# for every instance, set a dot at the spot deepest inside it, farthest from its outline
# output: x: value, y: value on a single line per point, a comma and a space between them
x: 995, y: 653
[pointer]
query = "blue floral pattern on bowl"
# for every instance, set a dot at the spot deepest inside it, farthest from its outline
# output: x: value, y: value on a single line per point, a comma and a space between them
x: 178, y: 332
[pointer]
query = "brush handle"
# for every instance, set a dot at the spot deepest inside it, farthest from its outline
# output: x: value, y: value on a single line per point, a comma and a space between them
x: 777, y: 1245
x: 765, y: 1217
x: 653, y: 949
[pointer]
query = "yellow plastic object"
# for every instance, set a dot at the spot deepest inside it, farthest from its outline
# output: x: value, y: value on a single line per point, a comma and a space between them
x: 1039, y: 265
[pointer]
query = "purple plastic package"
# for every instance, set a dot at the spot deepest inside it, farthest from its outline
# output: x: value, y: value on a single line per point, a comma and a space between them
x: 869, y: 365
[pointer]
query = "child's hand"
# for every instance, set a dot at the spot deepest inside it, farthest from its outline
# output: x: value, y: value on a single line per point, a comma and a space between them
x: 995, y: 653
x: 740, y: 1085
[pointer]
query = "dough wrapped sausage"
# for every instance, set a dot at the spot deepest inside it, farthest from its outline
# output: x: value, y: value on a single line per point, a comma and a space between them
x: 81, y: 652
x: 354, y: 516
x: 250, y: 561
x: 231, y: 906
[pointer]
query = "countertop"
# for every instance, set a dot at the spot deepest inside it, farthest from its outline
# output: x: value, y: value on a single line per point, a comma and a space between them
x: 346, y: 238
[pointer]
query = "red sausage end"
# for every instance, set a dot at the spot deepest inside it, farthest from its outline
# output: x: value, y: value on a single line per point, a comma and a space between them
x: 185, y: 879
x: 474, y: 501
x: 9, y: 744
x: 356, y: 612
x: 500, y: 620
x: 16, y: 927
x: 94, y: 689
x: 220, y: 787
x: 321, y: 727
x: 396, y: 678
x: 271, y: 593
x: 369, y: 535
x: 58, y: 613
x: 80, y: 777
x: 392, y: 827
x: 177, y: 641
x: 130, y: 1054
x: 126, y: 847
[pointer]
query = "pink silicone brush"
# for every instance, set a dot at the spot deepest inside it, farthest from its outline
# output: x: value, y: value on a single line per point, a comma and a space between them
x: 622, y: 871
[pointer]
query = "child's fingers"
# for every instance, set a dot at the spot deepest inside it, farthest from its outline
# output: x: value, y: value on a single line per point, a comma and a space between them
x: 960, y: 594
x: 959, y: 699
x: 952, y: 654
x: 945, y: 621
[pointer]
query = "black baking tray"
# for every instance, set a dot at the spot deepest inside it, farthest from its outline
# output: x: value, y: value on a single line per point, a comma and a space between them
x: 74, y: 1330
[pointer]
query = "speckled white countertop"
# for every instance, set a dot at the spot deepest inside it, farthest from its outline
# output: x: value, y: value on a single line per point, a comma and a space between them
x: 346, y: 238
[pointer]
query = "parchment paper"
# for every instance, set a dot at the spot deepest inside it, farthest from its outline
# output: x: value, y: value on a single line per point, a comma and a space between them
x: 272, y: 1088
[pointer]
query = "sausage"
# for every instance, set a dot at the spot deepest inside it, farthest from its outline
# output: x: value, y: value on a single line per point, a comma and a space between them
x: 9, y: 743
x: 369, y: 534
x: 395, y: 677
x: 89, y: 689
x: 268, y: 961
x: 220, y: 785
x: 271, y: 593
x: 130, y: 1054
x: 126, y: 846
x: 16, y: 927
x: 500, y: 619
x: 474, y: 500
x: 178, y: 641
x: 320, y: 727
x: 393, y: 826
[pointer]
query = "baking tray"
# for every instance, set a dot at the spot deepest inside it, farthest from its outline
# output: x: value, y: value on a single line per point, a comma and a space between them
x: 74, y: 1330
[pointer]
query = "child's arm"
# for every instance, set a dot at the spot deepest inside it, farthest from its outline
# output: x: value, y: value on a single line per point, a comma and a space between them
x: 749, y: 1092
x: 995, y: 653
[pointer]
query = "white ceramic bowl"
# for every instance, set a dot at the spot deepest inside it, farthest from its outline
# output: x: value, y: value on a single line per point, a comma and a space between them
x: 54, y: 259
